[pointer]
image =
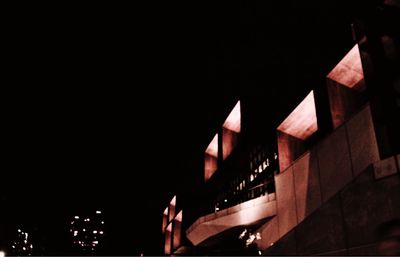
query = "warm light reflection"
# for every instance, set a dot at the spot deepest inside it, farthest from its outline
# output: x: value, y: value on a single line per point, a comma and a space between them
x: 348, y: 71
x: 166, y: 211
x: 179, y: 216
x: 212, y: 148
x: 173, y: 201
x: 210, y: 166
x: 302, y: 122
x: 233, y: 120
x: 169, y: 228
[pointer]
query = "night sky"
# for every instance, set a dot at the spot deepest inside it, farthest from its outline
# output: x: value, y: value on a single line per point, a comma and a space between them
x: 110, y: 107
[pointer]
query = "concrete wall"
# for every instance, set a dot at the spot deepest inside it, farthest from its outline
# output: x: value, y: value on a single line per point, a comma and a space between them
x: 346, y: 223
x: 313, y: 193
x: 240, y: 215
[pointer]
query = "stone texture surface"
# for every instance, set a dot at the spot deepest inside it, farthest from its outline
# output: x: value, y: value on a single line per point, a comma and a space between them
x: 367, y: 203
x: 285, y: 246
x: 334, y: 163
x: 286, y: 203
x: 322, y: 231
x: 269, y: 233
x: 385, y: 168
x: 362, y: 141
x: 398, y: 161
x: 306, y: 184
x: 365, y: 250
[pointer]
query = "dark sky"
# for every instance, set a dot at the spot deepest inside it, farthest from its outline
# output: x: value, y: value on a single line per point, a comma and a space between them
x: 111, y: 106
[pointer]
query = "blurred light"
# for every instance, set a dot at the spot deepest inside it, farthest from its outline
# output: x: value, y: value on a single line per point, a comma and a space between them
x: 259, y: 252
x: 2, y: 254
x: 31, y: 246
x: 75, y: 233
x: 243, y: 234
x: 13, y: 246
x: 226, y: 200
x: 26, y: 236
x: 19, y: 230
x: 95, y: 242
x: 98, y: 212
x: 101, y: 232
x: 102, y: 222
x: 94, y: 231
x: 217, y: 209
x: 83, y: 230
x: 23, y: 248
x: 25, y: 241
x: 72, y: 222
x: 76, y: 217
x: 87, y: 220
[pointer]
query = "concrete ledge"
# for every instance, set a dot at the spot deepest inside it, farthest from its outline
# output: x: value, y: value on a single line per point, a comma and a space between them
x: 218, y: 225
x: 385, y: 168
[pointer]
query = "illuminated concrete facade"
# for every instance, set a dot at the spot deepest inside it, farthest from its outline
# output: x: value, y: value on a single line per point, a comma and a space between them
x: 328, y: 179
x: 171, y: 227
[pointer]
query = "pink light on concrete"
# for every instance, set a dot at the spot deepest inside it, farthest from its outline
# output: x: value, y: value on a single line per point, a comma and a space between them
x: 348, y: 71
x: 179, y: 216
x: 230, y: 131
x: 173, y: 201
x: 302, y: 122
x: 233, y: 121
x: 169, y: 228
x: 168, y: 239
x: 211, y: 158
x: 212, y: 148
x: 172, y: 205
x: 165, y: 219
x: 177, y: 230
x: 210, y: 166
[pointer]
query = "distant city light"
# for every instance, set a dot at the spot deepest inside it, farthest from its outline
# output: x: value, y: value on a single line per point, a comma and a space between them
x: 13, y: 246
x: 24, y: 248
x: 19, y: 230
x: 226, y: 200
x: 75, y: 233
x: 94, y: 231
x: 87, y: 220
x: 259, y: 252
x: 83, y: 230
x: 101, y: 232
x: 25, y: 241
x: 102, y: 222
x: 31, y: 246
x: 76, y: 217
x: 98, y: 212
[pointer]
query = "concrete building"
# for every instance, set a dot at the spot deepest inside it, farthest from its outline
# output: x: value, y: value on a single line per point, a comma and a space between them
x: 325, y: 180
